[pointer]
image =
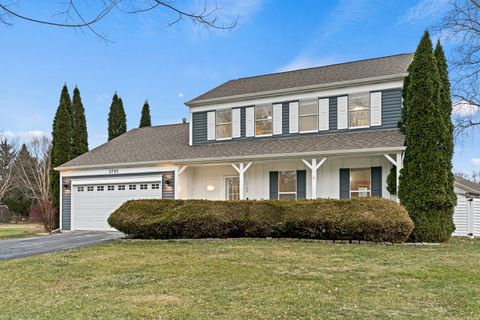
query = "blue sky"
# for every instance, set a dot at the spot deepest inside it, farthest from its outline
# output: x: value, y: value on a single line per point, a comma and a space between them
x: 170, y: 65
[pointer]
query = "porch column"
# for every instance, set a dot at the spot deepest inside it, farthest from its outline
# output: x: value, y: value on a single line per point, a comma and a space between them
x: 314, y: 168
x: 178, y: 172
x: 398, y: 163
x: 241, y: 169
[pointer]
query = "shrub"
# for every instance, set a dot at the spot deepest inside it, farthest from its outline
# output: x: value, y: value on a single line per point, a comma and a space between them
x: 372, y: 219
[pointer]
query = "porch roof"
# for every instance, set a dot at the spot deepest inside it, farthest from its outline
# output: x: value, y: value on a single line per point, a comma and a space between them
x: 169, y: 144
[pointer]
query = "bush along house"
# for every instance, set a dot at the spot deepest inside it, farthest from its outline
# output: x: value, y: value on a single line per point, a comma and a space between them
x: 324, y: 132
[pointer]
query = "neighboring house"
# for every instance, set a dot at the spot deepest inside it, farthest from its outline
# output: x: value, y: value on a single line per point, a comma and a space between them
x: 325, y: 132
x: 467, y: 210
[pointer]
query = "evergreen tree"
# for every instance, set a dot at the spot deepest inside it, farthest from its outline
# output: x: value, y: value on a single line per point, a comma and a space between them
x: 117, y: 119
x: 61, y: 142
x: 423, y: 178
x: 446, y: 109
x: 145, y: 120
x: 80, y: 134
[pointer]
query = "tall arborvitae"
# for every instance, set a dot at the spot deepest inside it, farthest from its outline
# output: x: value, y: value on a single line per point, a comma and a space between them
x: 446, y: 109
x: 61, y: 142
x: 117, y: 119
x: 145, y: 120
x: 80, y: 135
x: 424, y: 177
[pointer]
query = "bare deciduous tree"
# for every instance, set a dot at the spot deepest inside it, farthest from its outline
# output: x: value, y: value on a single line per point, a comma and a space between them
x: 35, y: 177
x: 7, y: 157
x: 77, y: 15
x: 462, y: 25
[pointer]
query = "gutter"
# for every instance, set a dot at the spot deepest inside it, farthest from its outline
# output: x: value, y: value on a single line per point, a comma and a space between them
x: 304, y: 89
x: 380, y: 150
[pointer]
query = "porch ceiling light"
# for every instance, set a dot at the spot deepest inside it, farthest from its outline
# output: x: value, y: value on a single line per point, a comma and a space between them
x: 210, y: 188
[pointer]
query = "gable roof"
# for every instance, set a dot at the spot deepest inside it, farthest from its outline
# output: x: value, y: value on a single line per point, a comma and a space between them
x: 384, y: 67
x: 469, y: 187
x: 169, y: 144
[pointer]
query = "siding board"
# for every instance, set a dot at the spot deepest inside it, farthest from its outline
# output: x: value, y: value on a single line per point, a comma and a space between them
x: 66, y: 205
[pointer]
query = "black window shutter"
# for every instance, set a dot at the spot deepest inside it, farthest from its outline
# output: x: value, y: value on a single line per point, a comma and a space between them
x: 344, y: 183
x: 273, y: 185
x: 301, y: 184
x: 376, y: 180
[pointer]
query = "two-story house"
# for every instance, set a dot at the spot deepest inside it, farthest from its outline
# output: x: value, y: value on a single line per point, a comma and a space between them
x: 324, y: 132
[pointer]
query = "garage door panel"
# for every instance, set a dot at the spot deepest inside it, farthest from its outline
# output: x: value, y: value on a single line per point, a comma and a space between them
x: 91, y: 209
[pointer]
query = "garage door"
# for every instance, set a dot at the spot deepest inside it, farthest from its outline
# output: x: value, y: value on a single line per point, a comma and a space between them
x: 94, y: 201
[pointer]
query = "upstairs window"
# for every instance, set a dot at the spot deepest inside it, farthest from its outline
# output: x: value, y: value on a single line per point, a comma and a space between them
x: 308, y: 115
x: 224, y: 124
x: 263, y: 120
x: 359, y: 110
x: 360, y: 184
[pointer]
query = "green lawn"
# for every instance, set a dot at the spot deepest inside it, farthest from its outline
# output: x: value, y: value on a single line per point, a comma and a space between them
x: 12, y: 231
x: 245, y: 279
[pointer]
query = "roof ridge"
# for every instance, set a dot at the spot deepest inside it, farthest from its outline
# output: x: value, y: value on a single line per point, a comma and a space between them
x: 318, y: 67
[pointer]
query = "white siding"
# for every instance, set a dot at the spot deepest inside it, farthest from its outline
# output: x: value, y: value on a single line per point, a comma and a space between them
x: 476, y: 217
x: 250, y: 122
x: 277, y: 119
x: 293, y: 118
x: 323, y: 114
x: 460, y: 216
x: 236, y: 123
x: 211, y: 125
x: 342, y: 112
x: 376, y: 109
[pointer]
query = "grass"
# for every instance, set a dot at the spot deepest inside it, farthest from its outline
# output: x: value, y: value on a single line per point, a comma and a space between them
x: 245, y: 279
x: 13, y: 231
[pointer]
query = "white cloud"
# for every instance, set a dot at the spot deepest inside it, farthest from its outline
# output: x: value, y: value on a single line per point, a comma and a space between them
x: 24, y: 135
x: 464, y: 108
x: 101, y: 98
x: 180, y: 95
x: 229, y: 10
x: 305, y: 61
x: 475, y: 161
x: 425, y: 11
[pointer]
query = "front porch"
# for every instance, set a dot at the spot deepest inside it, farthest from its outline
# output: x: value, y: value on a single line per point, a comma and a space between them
x: 333, y: 176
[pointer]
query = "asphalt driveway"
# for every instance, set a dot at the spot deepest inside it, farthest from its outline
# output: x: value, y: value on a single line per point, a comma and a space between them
x: 18, y: 248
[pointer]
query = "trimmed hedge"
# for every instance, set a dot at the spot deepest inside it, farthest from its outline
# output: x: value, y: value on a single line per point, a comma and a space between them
x: 370, y: 219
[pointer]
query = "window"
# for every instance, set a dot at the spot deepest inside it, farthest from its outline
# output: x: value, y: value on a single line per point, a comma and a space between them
x: 132, y: 187
x: 100, y: 188
x: 360, y: 182
x: 232, y: 188
x: 359, y: 110
x: 155, y: 186
x: 121, y: 187
x: 308, y: 115
x: 143, y: 187
x: 287, y: 185
x: 110, y: 188
x: 263, y: 120
x: 89, y: 188
x: 223, y: 124
x: 80, y: 189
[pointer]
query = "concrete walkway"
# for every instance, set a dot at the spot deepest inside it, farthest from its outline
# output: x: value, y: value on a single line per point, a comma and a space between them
x: 18, y: 248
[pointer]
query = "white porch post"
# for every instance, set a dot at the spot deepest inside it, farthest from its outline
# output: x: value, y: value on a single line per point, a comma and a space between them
x: 314, y: 168
x: 178, y: 172
x: 241, y: 169
x: 398, y: 163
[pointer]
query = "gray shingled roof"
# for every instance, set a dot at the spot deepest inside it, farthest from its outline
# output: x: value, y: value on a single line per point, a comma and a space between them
x: 470, y: 187
x: 169, y: 143
x: 356, y: 70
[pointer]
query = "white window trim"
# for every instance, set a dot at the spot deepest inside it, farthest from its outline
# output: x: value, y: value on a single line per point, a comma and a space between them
x: 255, y: 122
x: 357, y: 191
x: 369, y: 109
x: 217, y: 124
x: 300, y: 116
x: 290, y: 192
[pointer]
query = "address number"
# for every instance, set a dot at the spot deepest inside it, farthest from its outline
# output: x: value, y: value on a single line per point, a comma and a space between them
x: 111, y: 171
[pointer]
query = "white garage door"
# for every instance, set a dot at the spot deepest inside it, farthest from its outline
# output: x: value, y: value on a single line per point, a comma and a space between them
x: 92, y: 203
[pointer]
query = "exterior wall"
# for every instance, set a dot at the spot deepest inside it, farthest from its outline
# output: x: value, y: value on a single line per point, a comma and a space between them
x: 257, y: 177
x: 66, y: 204
x: 391, y: 113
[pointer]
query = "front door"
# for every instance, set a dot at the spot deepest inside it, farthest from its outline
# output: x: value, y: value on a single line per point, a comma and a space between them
x: 232, y: 188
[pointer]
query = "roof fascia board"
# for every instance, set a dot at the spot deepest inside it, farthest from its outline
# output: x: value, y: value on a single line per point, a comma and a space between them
x: 272, y: 93
x: 365, y: 151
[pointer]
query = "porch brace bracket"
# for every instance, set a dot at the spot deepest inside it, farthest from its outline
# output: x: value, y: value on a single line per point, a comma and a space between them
x: 398, y: 163
x: 241, y: 169
x: 314, y: 168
